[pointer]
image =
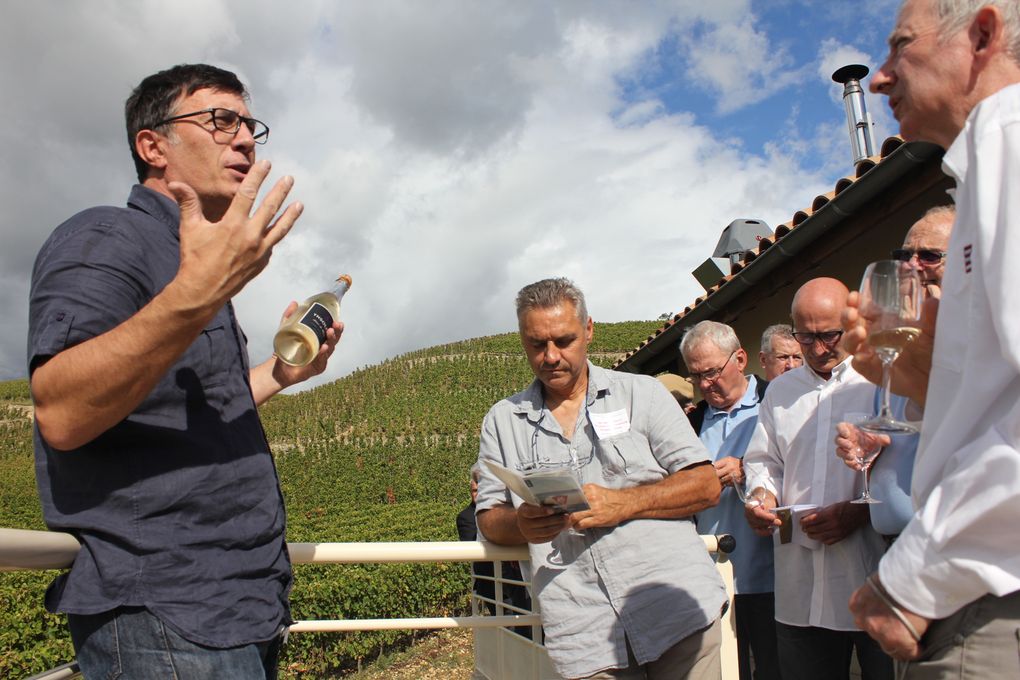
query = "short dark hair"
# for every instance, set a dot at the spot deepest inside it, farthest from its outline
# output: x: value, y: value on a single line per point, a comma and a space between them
x: 550, y: 293
x: 153, y: 100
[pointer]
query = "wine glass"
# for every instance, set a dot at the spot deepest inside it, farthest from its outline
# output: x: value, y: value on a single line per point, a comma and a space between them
x: 868, y: 448
x: 890, y: 304
x: 750, y: 499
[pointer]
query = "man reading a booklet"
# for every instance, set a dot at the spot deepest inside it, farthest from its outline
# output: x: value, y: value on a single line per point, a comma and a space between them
x: 824, y: 545
x: 626, y: 586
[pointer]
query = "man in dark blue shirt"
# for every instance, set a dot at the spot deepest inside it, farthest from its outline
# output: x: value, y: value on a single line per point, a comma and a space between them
x: 148, y: 444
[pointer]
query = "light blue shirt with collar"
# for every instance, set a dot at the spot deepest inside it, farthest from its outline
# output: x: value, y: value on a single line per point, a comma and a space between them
x: 726, y: 433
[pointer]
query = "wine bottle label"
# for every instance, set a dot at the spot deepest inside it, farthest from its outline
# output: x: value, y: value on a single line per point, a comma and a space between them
x: 318, y: 320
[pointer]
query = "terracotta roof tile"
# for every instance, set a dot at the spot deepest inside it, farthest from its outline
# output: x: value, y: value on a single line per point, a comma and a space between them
x: 799, y: 217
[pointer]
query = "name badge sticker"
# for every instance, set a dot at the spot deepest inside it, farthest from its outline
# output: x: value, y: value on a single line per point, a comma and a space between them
x: 610, y: 424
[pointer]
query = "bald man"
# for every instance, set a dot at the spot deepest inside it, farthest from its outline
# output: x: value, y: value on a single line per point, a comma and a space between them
x: 824, y: 546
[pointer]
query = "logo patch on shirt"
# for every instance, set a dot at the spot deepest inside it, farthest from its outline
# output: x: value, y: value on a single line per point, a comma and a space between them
x: 967, y: 251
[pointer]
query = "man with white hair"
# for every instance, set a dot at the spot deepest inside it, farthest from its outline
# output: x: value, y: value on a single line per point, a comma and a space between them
x: 947, y: 593
x: 724, y: 421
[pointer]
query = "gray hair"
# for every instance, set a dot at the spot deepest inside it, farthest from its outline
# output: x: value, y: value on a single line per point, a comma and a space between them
x: 719, y: 334
x: 955, y: 15
x: 783, y: 330
x: 550, y: 293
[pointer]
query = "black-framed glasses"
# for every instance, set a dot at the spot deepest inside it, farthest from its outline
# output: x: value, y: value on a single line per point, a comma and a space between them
x: 827, y: 338
x: 227, y: 121
x: 712, y: 374
x: 924, y: 255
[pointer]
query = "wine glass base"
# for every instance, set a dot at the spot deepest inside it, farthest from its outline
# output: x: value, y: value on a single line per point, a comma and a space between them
x: 888, y: 426
x: 868, y: 501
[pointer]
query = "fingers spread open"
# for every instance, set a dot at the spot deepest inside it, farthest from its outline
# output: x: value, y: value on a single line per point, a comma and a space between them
x: 244, y: 199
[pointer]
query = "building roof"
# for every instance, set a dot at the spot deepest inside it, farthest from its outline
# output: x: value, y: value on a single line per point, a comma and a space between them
x: 837, y: 235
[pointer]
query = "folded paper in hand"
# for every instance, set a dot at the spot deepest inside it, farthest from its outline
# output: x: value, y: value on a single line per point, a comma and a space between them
x: 557, y: 487
x: 791, y: 531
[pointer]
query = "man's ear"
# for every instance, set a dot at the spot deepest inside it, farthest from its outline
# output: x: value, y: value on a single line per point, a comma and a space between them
x: 987, y: 31
x: 151, y: 148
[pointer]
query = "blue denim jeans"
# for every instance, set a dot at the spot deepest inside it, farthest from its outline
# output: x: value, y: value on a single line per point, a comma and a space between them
x: 131, y: 644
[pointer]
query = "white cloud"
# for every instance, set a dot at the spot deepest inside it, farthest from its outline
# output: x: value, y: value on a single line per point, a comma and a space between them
x: 447, y: 153
x: 739, y: 63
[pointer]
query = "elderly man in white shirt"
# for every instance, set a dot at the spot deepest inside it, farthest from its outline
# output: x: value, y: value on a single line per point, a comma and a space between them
x: 947, y: 594
x: 825, y: 546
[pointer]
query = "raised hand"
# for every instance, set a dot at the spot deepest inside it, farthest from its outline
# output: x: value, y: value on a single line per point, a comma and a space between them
x: 912, y: 367
x: 219, y: 258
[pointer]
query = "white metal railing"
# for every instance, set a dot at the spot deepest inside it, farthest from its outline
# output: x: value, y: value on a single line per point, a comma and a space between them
x: 499, y: 652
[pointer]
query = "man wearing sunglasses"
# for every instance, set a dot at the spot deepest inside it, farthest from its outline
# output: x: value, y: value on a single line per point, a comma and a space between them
x: 946, y: 598
x: 148, y: 443
x: 925, y: 246
x: 825, y: 546
x: 923, y: 249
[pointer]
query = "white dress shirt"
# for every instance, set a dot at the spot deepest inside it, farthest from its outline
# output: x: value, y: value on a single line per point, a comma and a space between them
x: 962, y: 541
x: 792, y: 454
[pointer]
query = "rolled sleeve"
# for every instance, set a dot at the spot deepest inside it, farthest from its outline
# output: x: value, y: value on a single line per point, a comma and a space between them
x: 671, y: 438
x: 85, y: 283
x: 491, y: 491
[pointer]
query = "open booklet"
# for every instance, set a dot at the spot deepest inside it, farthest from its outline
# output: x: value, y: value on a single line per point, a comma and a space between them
x: 544, y: 486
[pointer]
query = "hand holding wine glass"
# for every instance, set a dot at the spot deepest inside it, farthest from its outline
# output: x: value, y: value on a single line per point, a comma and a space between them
x: 850, y: 438
x: 890, y: 305
x: 866, y: 449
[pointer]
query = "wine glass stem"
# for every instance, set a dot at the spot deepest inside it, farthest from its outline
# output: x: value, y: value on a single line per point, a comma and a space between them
x: 867, y: 490
x: 887, y: 361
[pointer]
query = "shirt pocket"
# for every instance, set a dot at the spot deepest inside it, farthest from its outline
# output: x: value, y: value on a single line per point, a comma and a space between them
x: 627, y: 458
x: 213, y: 354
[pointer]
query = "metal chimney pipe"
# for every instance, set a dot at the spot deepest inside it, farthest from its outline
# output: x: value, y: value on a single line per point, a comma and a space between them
x: 862, y: 129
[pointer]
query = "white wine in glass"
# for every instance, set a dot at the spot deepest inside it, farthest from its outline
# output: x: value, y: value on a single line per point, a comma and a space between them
x: 890, y: 305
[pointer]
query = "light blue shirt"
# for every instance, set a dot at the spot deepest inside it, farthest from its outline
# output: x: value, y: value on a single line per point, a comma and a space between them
x: 890, y: 476
x: 727, y: 434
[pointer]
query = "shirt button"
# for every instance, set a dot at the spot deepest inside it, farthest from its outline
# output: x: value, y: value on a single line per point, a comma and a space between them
x: 958, y: 639
x: 573, y: 449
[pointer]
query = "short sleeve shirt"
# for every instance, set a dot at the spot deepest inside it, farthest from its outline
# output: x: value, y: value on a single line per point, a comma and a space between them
x: 648, y: 582
x: 178, y: 506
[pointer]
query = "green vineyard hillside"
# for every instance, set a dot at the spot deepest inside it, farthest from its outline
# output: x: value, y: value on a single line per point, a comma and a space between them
x: 380, y: 455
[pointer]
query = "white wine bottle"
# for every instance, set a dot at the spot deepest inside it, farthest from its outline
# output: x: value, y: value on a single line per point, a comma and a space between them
x: 302, y: 333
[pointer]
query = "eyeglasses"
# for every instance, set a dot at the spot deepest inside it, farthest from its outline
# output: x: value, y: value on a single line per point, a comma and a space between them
x: 227, y: 121
x: 712, y: 374
x: 924, y: 255
x: 827, y: 337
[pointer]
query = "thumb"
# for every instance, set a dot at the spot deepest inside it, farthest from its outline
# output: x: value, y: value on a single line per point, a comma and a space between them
x: 187, y: 201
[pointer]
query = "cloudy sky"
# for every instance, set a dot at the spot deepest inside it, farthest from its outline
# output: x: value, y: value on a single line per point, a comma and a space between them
x: 450, y: 152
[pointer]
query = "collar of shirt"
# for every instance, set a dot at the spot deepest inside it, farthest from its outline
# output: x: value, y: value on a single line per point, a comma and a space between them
x: 749, y: 399
x: 840, y: 372
x: 157, y: 206
x: 532, y: 402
